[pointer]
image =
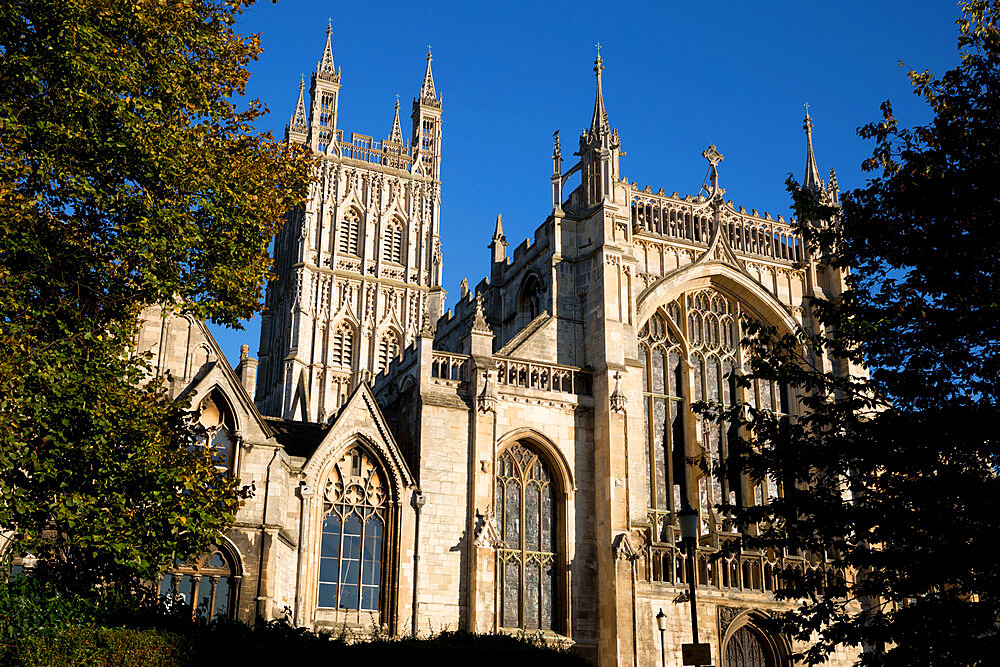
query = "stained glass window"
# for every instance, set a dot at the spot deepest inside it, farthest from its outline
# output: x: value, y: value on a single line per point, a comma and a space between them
x: 350, y: 571
x: 526, y: 507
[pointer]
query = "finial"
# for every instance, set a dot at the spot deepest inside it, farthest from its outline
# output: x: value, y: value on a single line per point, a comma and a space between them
x: 397, y: 100
x: 429, y: 58
x: 598, y: 63
x: 329, y: 25
x: 558, y: 149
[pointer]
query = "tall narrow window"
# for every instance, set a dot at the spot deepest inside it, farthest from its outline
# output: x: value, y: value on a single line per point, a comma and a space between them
x: 388, y: 349
x: 356, y: 501
x: 350, y: 233
x: 392, y: 242
x: 342, y: 354
x: 219, y: 427
x: 661, y: 356
x: 526, y: 560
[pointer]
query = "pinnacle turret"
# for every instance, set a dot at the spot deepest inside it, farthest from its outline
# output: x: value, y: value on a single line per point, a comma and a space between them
x: 599, y: 123
x: 811, y: 180
x: 396, y: 135
x: 325, y: 68
x: 427, y: 93
x: 299, y: 123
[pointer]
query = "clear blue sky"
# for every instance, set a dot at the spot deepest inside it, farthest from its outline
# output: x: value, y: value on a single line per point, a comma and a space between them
x: 678, y: 77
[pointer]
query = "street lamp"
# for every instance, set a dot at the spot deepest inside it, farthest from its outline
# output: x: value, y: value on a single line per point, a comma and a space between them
x: 688, y: 518
x: 661, y: 623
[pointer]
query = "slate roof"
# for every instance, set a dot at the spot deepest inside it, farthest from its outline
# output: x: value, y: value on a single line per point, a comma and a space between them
x: 298, y: 438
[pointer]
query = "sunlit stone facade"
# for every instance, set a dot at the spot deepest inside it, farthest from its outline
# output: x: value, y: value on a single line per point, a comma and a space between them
x: 518, y: 462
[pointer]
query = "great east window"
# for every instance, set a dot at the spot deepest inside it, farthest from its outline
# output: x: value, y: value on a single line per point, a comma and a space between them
x: 690, y: 352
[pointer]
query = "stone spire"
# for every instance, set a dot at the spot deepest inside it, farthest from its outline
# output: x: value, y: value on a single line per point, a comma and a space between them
x: 325, y: 68
x: 811, y: 180
x: 498, y: 248
x: 396, y: 135
x: 427, y: 89
x: 299, y: 124
x: 599, y: 123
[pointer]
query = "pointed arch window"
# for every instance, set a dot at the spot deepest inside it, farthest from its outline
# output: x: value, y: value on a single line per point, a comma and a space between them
x: 219, y: 431
x: 350, y: 233
x: 388, y: 349
x: 392, y: 242
x: 527, y: 563
x: 207, y: 584
x: 342, y: 354
x: 351, y: 552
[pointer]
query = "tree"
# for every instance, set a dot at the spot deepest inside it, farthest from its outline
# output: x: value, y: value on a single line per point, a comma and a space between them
x: 128, y: 176
x: 891, y: 474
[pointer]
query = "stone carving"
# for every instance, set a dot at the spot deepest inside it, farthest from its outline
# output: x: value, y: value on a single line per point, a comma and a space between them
x: 726, y: 617
x: 623, y: 548
x: 618, y: 399
x: 487, y: 534
x: 487, y: 399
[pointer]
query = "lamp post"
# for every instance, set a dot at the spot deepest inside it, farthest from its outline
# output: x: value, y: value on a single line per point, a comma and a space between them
x: 688, y: 518
x: 661, y: 623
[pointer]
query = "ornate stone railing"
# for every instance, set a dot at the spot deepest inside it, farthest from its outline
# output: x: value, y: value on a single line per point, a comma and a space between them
x: 366, y: 149
x: 448, y: 366
x: 688, y: 221
x: 744, y: 570
x: 546, y: 377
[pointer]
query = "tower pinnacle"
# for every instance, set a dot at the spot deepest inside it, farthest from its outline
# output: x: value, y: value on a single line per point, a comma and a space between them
x: 427, y: 89
x: 599, y: 123
x: 396, y: 135
x: 811, y: 180
x: 325, y: 68
x: 298, y: 122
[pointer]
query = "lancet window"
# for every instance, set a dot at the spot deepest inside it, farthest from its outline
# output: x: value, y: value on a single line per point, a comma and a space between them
x: 351, y: 552
x: 661, y: 354
x: 219, y: 430
x: 392, y: 242
x: 527, y: 563
x: 388, y: 349
x: 342, y: 353
x: 350, y: 233
x: 206, y: 584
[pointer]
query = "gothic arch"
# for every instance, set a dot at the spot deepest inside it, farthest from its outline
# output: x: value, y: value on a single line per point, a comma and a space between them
x: 228, y: 403
x: 529, y: 295
x: 549, y: 451
x: 775, y: 649
x: 720, y: 276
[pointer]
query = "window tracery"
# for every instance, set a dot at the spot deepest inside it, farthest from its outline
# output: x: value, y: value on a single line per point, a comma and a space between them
x: 392, y: 248
x: 525, y: 505
x: 388, y: 349
x: 219, y: 432
x: 343, y: 347
x: 746, y: 648
x: 356, y: 505
x: 206, y: 584
x: 690, y: 352
x: 350, y: 233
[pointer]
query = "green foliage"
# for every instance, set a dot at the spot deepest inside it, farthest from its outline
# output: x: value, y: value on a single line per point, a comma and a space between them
x: 128, y: 177
x: 892, y: 474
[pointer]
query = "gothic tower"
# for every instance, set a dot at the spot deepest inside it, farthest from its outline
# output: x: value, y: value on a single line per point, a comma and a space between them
x: 359, y: 264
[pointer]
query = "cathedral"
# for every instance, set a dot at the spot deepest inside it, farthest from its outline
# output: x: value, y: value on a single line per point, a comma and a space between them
x: 516, y: 464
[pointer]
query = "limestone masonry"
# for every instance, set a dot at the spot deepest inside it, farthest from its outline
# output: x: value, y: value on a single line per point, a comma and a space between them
x: 517, y: 463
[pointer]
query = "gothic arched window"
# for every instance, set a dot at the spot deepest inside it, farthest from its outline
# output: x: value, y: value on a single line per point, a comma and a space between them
x: 663, y: 391
x: 388, y: 349
x: 356, y: 501
x: 342, y: 354
x: 207, y: 584
x: 217, y: 420
x: 392, y: 242
x: 526, y: 557
x: 530, y: 300
x: 350, y: 233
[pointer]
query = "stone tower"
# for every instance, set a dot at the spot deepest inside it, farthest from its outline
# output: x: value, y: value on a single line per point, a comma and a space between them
x: 359, y: 264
